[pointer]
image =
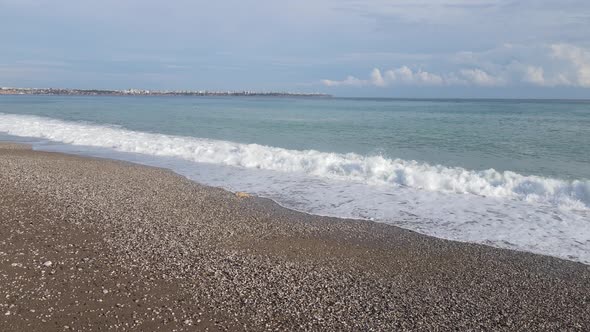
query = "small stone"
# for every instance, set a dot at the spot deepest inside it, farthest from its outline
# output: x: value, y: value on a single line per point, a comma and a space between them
x: 188, y: 322
x: 47, y: 264
x: 105, y: 291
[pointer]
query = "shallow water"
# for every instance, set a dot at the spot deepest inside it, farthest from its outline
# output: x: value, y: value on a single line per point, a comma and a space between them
x: 512, y: 174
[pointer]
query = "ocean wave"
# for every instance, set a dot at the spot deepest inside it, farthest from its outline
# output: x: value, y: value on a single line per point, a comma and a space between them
x: 377, y: 170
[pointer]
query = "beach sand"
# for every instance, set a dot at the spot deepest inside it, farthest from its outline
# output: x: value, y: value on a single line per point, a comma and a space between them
x: 94, y: 244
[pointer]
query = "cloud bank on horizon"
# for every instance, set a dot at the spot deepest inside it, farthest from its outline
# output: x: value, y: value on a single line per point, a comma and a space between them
x: 397, y: 48
x: 555, y: 65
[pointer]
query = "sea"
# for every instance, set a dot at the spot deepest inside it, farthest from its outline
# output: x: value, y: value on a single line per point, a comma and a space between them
x: 506, y: 173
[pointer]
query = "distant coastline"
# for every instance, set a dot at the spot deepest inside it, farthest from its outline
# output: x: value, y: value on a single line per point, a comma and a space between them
x: 140, y: 92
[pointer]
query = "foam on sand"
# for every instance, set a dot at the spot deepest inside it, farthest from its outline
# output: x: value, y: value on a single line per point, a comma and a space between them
x: 504, y: 209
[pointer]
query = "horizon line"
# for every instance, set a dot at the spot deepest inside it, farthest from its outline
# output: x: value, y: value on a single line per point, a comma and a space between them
x: 269, y: 93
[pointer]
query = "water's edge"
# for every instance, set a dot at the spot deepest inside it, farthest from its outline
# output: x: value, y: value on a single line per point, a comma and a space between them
x: 398, y: 209
x: 36, y: 145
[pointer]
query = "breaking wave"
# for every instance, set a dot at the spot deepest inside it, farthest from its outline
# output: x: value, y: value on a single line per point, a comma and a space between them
x: 377, y: 170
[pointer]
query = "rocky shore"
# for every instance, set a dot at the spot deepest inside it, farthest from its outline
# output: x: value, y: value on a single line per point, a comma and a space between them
x: 92, y: 244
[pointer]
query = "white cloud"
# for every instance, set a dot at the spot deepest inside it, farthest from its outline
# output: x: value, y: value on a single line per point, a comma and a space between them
x: 480, y: 77
x: 534, y: 75
x: 540, y: 65
x: 578, y: 61
x: 510, y: 64
x: 349, y: 81
x: 377, y: 79
x: 406, y: 76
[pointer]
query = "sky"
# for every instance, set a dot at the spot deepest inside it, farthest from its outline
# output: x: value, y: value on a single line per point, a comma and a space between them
x: 365, y: 48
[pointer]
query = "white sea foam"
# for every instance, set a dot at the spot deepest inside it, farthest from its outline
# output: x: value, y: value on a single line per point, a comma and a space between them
x: 507, y: 210
x: 372, y: 170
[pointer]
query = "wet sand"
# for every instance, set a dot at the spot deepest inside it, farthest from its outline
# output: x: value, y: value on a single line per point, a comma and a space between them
x: 94, y: 244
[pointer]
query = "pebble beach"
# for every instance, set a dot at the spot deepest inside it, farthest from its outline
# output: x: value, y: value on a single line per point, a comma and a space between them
x: 94, y: 244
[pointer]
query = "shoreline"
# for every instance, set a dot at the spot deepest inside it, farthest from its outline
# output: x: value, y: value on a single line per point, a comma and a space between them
x: 268, y: 267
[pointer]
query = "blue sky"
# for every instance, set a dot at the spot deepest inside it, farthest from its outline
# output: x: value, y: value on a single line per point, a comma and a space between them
x: 395, y: 48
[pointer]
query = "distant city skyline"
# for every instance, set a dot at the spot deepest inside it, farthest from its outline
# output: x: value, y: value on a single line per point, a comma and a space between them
x: 346, y: 48
x: 143, y: 92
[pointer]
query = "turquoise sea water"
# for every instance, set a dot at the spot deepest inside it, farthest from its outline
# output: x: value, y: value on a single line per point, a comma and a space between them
x: 550, y: 138
x: 510, y: 173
